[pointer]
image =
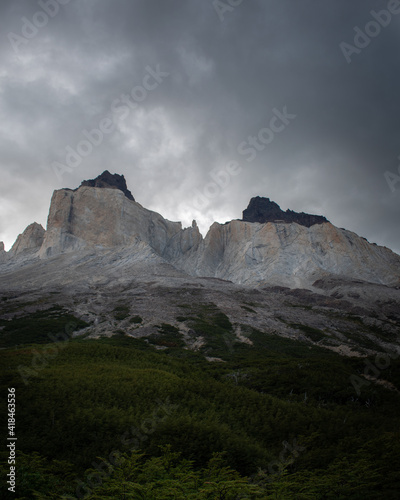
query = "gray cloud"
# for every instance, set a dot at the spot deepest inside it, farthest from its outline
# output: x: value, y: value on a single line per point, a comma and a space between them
x: 225, y: 79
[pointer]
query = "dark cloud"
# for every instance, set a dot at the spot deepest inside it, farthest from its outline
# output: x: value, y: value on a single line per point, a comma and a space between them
x: 226, y: 81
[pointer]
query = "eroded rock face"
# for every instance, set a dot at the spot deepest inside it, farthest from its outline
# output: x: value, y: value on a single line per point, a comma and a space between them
x: 291, y: 255
x: 101, y: 217
x: 29, y: 241
x: 110, y: 181
x: 263, y: 210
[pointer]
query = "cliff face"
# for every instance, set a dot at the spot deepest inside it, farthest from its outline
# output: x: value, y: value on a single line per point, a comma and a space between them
x: 93, y: 217
x: 291, y: 255
x: 293, y: 250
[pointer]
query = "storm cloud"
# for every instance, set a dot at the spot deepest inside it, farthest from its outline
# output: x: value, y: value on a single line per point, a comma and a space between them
x: 203, y: 104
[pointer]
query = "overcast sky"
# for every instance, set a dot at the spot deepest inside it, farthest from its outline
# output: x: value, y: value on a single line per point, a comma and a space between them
x: 263, y: 96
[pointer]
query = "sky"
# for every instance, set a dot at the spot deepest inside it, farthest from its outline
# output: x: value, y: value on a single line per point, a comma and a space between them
x: 203, y: 104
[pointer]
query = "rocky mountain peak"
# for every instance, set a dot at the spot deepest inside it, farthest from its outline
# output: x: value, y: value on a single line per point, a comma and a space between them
x: 264, y: 210
x: 110, y: 181
x: 30, y: 240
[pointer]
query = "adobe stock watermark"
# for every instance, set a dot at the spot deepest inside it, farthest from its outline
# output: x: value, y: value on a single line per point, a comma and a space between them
x: 249, y: 148
x: 391, y: 178
x: 220, y: 179
x: 372, y: 29
x: 120, y: 110
x: 222, y: 7
x: 30, y: 28
x: 256, y: 143
x: 372, y: 371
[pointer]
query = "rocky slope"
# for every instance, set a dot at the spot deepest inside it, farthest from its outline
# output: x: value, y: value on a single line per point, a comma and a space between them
x: 350, y: 317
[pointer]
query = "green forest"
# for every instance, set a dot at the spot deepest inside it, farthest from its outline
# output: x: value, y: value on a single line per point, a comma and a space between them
x: 123, y: 418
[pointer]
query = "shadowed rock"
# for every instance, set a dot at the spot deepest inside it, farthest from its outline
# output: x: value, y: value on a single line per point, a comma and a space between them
x: 263, y: 210
x: 110, y: 181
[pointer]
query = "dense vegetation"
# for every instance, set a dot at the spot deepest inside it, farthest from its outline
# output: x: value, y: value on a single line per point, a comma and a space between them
x: 39, y: 327
x: 148, y: 419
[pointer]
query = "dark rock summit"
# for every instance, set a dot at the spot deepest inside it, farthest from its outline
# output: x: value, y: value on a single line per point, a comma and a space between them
x: 113, y: 181
x: 263, y: 210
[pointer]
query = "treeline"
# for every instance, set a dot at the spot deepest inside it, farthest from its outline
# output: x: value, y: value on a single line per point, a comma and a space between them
x: 281, y: 421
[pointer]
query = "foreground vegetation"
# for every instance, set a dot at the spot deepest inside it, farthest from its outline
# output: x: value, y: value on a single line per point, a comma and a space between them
x: 119, y: 418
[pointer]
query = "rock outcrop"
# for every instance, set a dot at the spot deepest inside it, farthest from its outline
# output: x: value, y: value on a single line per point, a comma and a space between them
x: 30, y: 241
x: 263, y: 210
x: 110, y: 181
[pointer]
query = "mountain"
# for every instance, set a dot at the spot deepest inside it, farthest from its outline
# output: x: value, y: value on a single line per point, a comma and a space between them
x: 274, y: 340
x: 101, y: 247
x: 267, y: 247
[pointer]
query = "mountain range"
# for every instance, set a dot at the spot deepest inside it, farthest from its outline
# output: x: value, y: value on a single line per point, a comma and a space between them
x: 267, y: 246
